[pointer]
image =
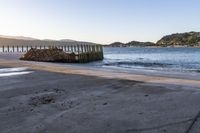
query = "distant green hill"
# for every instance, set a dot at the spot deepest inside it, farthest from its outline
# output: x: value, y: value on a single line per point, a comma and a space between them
x: 131, y: 44
x: 188, y: 39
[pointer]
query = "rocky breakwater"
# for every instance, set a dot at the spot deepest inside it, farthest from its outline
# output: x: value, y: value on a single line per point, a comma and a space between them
x: 49, y: 55
x: 58, y: 55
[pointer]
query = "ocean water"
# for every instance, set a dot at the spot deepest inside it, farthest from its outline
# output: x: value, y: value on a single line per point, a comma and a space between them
x: 152, y: 59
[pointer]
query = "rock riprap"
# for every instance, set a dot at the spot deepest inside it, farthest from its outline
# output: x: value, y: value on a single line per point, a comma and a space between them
x: 49, y: 55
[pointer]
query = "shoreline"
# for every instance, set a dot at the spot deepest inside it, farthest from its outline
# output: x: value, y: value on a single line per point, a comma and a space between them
x: 11, y: 60
x: 59, y: 68
x: 57, y: 99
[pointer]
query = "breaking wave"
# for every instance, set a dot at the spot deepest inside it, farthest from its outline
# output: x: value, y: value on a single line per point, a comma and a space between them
x: 137, y: 63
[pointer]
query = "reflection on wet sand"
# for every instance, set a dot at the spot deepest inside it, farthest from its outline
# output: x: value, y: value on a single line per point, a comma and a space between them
x: 5, y: 72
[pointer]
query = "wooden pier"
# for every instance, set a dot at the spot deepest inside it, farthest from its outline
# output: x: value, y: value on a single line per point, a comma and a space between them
x: 83, y: 53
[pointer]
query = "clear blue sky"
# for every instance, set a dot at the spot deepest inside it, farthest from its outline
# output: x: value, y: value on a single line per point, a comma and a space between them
x: 101, y: 21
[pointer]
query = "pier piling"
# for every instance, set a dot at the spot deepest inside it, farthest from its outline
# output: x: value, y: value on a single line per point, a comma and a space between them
x: 83, y: 53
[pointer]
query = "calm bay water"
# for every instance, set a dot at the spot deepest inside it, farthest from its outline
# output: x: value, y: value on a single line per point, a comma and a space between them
x: 159, y: 59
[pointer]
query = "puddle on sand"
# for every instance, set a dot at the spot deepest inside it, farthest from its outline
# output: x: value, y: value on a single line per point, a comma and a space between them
x: 6, y: 72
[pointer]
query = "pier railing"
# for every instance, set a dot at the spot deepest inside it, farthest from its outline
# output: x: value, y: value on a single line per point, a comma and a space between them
x: 84, y: 53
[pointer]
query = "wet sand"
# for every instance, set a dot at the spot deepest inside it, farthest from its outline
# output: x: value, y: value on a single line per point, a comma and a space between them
x: 54, y: 98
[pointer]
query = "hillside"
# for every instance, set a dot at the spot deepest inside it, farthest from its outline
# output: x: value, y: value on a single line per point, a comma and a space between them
x: 188, y: 39
x: 18, y: 37
x: 131, y: 44
x: 27, y: 41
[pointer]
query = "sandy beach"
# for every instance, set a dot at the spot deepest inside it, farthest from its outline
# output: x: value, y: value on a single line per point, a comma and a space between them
x: 53, y: 98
